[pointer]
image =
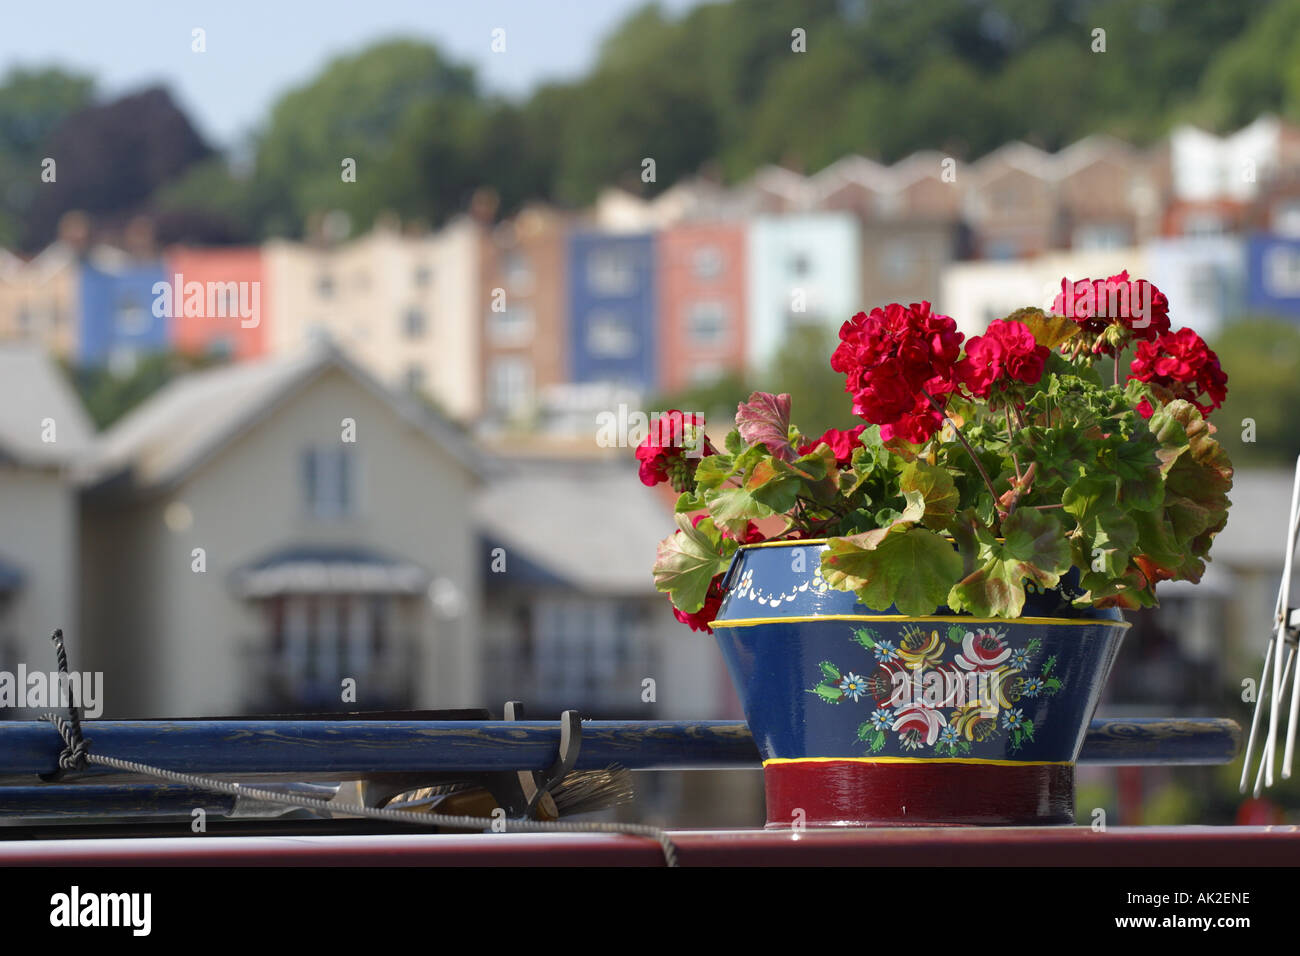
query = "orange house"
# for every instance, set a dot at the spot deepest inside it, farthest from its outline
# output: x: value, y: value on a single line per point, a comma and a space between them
x: 218, y: 302
x: 702, y: 302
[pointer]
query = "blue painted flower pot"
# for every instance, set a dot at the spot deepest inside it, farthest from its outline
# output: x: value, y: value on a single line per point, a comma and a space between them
x: 866, y: 718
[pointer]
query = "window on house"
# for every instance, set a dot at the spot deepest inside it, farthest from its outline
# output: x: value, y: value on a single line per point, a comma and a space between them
x: 800, y: 264
x: 707, y: 262
x: 1286, y: 219
x: 898, y: 259
x: 706, y: 323
x: 1282, y: 271
x: 132, y: 318
x: 610, y: 271
x: 413, y: 323
x: 25, y: 321
x: 422, y: 278
x: 1203, y: 224
x: 590, y: 649
x: 1101, y: 236
x: 316, y: 640
x: 329, y: 481
x: 514, y: 326
x: 518, y: 271
x: 705, y: 373
x: 325, y: 285
x: 1003, y: 249
x: 510, y: 383
x: 611, y: 336
x: 415, y: 378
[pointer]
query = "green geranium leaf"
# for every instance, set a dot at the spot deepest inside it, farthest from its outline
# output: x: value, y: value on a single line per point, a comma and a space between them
x: 911, y: 569
x: 1034, y: 548
x: 687, y: 562
x: 688, y: 502
x: 734, y: 443
x: 937, y: 489
x: 712, y: 472
x: 734, y: 508
x: 774, y: 488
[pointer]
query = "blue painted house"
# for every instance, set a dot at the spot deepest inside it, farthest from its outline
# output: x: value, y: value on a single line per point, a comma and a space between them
x: 1273, y: 275
x: 116, y: 320
x: 612, y: 309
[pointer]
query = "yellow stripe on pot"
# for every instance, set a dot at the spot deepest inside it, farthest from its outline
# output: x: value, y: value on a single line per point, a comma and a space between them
x: 934, y: 619
x: 973, y: 760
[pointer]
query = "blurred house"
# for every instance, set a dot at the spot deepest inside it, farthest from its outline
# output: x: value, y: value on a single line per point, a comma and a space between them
x: 219, y: 301
x: 1011, y: 203
x: 252, y: 535
x: 976, y: 293
x: 1204, y: 278
x: 406, y: 306
x: 613, y: 329
x: 571, y: 617
x: 1105, y: 196
x: 43, y: 433
x: 524, y: 298
x: 909, y: 218
x: 1273, y: 275
x: 40, y: 298
x: 701, y: 301
x: 804, y: 269
x: 120, y: 319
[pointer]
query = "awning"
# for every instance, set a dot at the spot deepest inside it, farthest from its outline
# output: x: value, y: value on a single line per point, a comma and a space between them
x: 330, y: 571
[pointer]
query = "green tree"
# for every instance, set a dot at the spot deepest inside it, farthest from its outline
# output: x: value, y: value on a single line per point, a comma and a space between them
x: 33, y: 102
x: 1261, y: 357
x: 354, y: 109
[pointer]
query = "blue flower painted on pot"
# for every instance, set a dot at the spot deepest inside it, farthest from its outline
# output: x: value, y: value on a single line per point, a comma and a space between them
x: 1019, y: 659
x: 1033, y: 686
x: 1013, y: 719
x: 853, y: 686
x: 881, y: 719
x: 885, y: 651
x: 949, y: 735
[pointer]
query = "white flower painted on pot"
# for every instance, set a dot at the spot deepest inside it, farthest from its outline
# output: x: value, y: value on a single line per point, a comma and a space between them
x: 918, y: 726
x: 983, y: 649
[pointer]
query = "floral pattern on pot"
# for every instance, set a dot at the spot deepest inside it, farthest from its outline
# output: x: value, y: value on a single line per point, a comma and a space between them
x: 933, y: 695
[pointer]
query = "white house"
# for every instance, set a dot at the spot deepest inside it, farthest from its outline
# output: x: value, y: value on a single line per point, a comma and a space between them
x: 254, y: 536
x: 43, y: 432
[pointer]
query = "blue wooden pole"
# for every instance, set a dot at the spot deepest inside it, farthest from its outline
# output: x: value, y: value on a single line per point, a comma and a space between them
x: 343, y: 748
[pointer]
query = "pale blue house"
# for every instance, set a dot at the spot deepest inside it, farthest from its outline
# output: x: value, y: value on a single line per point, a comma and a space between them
x: 804, y: 269
x: 1204, y: 278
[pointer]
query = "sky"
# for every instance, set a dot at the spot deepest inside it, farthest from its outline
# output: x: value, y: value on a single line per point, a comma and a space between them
x: 257, y: 49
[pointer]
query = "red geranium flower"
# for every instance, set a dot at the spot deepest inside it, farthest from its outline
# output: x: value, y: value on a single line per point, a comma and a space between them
x: 701, y: 619
x: 1137, y: 305
x: 1183, y: 364
x: 842, y: 443
x: 663, y: 454
x: 1006, y: 353
x: 893, y: 358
